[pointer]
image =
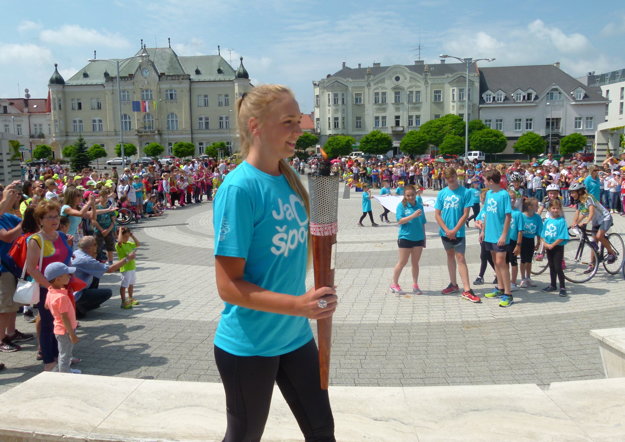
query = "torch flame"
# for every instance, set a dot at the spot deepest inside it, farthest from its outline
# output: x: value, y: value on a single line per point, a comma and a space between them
x: 324, y: 154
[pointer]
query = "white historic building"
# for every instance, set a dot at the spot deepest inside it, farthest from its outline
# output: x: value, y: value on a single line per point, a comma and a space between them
x: 608, y: 135
x: 393, y: 99
x: 541, y: 99
x: 26, y: 120
x: 163, y: 98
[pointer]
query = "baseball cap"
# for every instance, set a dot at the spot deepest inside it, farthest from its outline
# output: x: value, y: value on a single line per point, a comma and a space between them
x: 56, y: 269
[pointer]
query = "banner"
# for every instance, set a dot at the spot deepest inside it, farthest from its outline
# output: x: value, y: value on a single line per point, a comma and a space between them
x: 391, y: 202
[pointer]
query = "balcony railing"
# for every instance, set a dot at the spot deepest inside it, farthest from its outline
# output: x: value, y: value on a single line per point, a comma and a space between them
x: 397, y: 128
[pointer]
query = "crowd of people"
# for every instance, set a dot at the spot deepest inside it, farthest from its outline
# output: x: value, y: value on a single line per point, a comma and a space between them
x: 60, y: 229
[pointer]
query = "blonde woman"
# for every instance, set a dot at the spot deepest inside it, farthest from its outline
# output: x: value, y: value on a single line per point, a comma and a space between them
x: 261, y: 253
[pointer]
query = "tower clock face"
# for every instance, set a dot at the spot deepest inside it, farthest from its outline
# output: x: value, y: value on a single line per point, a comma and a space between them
x: 145, y: 72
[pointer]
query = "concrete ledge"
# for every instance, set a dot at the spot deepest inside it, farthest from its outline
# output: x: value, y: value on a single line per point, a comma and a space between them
x: 612, y: 348
x: 53, y: 406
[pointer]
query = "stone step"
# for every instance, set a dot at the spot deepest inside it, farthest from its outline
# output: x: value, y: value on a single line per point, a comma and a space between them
x: 53, y: 406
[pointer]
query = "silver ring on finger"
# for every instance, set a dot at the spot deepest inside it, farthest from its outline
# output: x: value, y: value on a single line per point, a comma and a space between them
x: 322, y: 303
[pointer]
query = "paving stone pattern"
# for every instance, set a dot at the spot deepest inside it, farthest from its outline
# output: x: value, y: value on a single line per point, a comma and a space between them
x: 380, y: 339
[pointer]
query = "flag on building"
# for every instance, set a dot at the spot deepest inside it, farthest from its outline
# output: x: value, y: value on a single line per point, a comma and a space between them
x: 136, y: 106
x: 145, y: 106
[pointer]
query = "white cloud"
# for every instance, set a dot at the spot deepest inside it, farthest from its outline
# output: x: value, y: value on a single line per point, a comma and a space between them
x: 195, y: 46
x: 614, y: 28
x: 572, y: 43
x: 67, y: 73
x: 28, y: 25
x: 24, y: 54
x: 76, y: 35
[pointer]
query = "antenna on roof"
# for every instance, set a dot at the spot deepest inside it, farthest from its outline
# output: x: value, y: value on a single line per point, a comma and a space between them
x: 141, y: 43
x: 94, y: 54
x: 169, y: 42
x: 218, y: 50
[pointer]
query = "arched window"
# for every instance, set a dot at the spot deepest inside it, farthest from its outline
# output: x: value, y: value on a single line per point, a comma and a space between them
x: 126, y: 122
x: 148, y: 122
x: 172, y: 121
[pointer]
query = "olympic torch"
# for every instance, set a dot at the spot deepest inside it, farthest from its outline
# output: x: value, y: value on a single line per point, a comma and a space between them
x: 323, y: 189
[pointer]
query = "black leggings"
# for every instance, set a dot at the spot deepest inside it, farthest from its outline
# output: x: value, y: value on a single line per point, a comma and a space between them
x: 485, y: 258
x: 476, y: 212
x: 554, y: 257
x: 364, y: 214
x: 384, y: 215
x: 249, y: 381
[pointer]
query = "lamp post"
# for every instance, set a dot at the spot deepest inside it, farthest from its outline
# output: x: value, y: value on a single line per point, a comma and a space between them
x: 468, y: 62
x: 550, y: 125
x: 121, y: 122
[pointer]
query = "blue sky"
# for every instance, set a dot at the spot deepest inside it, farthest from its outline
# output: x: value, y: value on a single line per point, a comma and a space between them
x: 295, y: 42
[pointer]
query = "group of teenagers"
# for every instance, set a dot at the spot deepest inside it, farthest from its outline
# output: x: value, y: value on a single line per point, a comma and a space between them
x: 512, y: 226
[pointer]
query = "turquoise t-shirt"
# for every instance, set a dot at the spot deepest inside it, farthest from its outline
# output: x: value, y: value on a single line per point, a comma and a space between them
x: 259, y: 217
x: 74, y: 221
x: 366, y: 202
x: 452, y: 203
x: 532, y: 225
x: 593, y: 186
x: 385, y: 191
x: 497, y: 207
x: 555, y: 229
x: 399, y: 191
x: 414, y: 230
x: 480, y: 215
x: 516, y: 224
x: 475, y: 195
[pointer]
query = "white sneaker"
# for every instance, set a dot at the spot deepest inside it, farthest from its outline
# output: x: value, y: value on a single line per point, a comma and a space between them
x: 524, y: 284
x: 514, y: 287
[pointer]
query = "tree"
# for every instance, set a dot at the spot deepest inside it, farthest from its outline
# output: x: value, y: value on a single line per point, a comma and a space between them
x: 42, y: 151
x: 214, y: 149
x: 452, y: 144
x: 339, y: 145
x: 414, y: 143
x: 129, y: 149
x: 475, y: 125
x: 488, y: 141
x: 572, y: 143
x: 15, y: 150
x: 80, y: 159
x: 183, y: 149
x: 376, y: 143
x: 306, y: 140
x: 69, y: 151
x: 531, y: 144
x: 96, y: 151
x: 436, y: 130
x: 153, y: 150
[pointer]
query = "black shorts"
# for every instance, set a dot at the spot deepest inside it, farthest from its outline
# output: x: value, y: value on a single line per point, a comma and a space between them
x: 493, y: 247
x: 407, y: 244
x: 527, y: 250
x: 510, y: 256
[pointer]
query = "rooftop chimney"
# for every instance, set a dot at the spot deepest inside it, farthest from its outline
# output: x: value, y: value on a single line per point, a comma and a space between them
x: 376, y: 65
x: 343, y: 65
x: 359, y: 65
x: 557, y: 64
x: 442, y: 61
x: 419, y: 62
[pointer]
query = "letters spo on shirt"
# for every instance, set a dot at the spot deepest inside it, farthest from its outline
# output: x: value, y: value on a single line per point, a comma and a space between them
x: 288, y: 236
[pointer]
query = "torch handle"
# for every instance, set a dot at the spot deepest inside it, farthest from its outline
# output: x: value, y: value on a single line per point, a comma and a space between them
x: 324, y: 277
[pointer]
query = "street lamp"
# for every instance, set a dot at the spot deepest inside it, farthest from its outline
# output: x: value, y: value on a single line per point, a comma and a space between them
x: 550, y: 124
x: 468, y: 62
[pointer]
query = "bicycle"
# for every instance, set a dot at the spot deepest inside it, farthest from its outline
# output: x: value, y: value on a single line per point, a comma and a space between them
x: 579, y: 270
x: 126, y: 216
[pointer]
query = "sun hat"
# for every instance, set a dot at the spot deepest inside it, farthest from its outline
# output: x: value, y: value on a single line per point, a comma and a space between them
x: 56, y: 269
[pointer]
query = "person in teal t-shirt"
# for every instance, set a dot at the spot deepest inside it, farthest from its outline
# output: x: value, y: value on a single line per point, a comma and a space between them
x: 261, y: 225
x: 384, y: 191
x: 593, y: 183
x: 451, y: 212
x: 411, y: 241
x: 497, y: 219
x: 514, y: 239
x: 475, y: 198
x: 532, y: 226
x: 555, y: 234
x: 366, y: 205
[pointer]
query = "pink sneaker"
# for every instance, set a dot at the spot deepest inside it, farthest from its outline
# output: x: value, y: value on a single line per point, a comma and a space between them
x: 395, y: 288
x: 451, y: 288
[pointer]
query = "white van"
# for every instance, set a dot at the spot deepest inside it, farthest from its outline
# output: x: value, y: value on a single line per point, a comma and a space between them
x: 473, y: 155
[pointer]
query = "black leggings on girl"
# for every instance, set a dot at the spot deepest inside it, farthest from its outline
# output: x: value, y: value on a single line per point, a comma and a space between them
x: 384, y: 216
x: 249, y: 382
x: 554, y: 257
x: 364, y: 214
x: 476, y: 212
x: 485, y: 258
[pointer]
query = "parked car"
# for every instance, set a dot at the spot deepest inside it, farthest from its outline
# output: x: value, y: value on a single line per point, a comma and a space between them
x: 165, y: 161
x: 473, y: 155
x: 117, y: 161
x: 356, y: 154
x: 145, y: 161
x: 542, y: 158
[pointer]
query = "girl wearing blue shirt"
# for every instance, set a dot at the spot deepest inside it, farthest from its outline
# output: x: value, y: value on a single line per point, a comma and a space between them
x: 411, y: 241
x: 366, y: 205
x: 532, y: 227
x: 475, y: 198
x: 555, y: 235
x: 260, y: 219
x: 385, y: 190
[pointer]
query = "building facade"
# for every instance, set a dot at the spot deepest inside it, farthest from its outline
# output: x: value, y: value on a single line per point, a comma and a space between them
x: 26, y: 120
x: 609, y: 132
x: 541, y: 99
x: 393, y: 99
x: 162, y: 97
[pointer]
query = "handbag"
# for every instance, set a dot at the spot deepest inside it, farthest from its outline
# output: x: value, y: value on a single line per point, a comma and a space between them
x: 27, y: 292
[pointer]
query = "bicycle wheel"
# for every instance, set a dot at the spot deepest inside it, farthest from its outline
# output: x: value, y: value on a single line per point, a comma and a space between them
x: 539, y: 267
x: 124, y: 216
x: 616, y: 241
x: 577, y: 258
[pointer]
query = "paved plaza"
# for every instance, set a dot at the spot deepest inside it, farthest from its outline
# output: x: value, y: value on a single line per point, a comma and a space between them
x: 380, y: 339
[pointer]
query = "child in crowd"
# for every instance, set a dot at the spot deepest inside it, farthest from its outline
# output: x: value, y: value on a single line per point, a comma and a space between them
x: 475, y: 198
x: 497, y: 219
x: 554, y: 236
x: 125, y: 250
x: 485, y: 256
x: 386, y: 190
x: 52, y: 190
x: 514, y: 237
x: 61, y: 307
x: 153, y: 207
x: 366, y: 205
x: 137, y: 184
x: 532, y: 227
x: 104, y: 225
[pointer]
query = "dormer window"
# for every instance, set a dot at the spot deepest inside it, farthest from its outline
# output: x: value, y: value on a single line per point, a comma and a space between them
x: 529, y: 96
x: 488, y: 97
x: 518, y: 96
x: 554, y: 95
x: 579, y: 94
x: 499, y: 96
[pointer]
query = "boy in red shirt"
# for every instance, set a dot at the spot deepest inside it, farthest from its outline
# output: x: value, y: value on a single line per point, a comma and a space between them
x: 59, y: 303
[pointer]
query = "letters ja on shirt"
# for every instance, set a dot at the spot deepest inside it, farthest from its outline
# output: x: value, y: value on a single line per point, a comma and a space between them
x: 288, y: 235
